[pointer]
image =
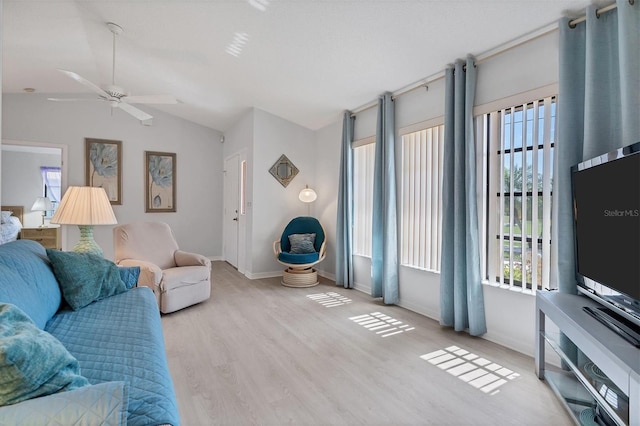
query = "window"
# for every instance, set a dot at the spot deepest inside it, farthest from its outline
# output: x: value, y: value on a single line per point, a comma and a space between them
x: 243, y: 187
x: 421, y: 237
x: 51, y: 186
x: 363, y: 163
x: 518, y: 177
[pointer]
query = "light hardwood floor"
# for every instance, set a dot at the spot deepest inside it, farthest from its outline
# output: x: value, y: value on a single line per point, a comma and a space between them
x: 261, y: 353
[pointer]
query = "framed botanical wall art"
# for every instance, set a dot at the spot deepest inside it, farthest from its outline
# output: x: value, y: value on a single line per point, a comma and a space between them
x: 160, y: 181
x: 103, y: 167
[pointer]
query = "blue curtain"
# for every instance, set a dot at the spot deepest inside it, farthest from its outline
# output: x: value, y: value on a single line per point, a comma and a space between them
x: 344, y: 225
x: 384, y: 244
x: 598, y: 107
x: 461, y: 297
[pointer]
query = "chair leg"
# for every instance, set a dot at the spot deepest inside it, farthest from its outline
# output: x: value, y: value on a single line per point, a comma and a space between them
x: 300, y: 277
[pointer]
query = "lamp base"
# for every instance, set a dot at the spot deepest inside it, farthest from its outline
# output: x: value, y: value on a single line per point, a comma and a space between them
x: 86, y: 243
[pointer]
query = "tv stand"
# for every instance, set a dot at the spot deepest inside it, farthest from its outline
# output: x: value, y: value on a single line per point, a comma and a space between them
x: 620, y: 325
x: 596, y: 371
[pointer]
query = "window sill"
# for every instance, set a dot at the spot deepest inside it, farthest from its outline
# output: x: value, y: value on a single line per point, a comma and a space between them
x: 364, y: 256
x: 417, y: 268
x: 509, y: 288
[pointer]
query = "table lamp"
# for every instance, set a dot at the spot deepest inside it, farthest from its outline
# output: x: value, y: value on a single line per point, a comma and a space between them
x: 42, y: 204
x: 85, y: 206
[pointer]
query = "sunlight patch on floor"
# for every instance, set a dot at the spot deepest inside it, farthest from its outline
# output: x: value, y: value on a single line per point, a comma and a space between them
x: 381, y: 324
x: 330, y: 299
x: 479, y: 372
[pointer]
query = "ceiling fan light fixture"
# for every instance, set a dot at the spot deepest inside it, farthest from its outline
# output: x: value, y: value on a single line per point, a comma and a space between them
x: 115, y: 91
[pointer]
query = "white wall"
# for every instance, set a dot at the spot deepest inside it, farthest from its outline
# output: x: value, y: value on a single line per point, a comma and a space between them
x: 26, y: 181
x: 510, y: 315
x: 327, y: 151
x: 273, y: 205
x: 264, y: 137
x: 197, y: 222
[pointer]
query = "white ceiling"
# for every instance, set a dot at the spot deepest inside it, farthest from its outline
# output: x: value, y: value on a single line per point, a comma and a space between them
x: 305, y: 60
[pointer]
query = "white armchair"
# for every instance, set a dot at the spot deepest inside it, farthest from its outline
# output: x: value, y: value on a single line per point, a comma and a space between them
x: 178, y: 278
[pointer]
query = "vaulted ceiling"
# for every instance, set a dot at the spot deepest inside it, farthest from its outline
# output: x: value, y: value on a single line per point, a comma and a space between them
x: 303, y: 60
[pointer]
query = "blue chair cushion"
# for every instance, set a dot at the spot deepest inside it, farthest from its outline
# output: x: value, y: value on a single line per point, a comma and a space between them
x: 302, y: 225
x: 298, y: 259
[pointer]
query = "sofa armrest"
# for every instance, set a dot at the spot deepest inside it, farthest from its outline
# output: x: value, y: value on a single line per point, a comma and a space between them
x: 104, y: 403
x: 183, y: 258
x: 150, y: 274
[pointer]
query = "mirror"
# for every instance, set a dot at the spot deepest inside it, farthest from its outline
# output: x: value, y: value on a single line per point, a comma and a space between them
x: 284, y: 170
x: 21, y: 175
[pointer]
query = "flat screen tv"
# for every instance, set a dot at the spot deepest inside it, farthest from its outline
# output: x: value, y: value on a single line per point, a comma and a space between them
x: 606, y: 206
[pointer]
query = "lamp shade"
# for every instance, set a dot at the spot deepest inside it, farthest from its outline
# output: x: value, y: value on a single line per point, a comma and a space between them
x: 84, y: 205
x: 307, y: 195
x: 42, y: 204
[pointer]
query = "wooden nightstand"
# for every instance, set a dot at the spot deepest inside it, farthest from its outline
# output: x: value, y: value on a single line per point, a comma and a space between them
x: 48, y: 237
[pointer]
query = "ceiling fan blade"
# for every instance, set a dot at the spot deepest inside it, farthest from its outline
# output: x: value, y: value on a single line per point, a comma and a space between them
x: 86, y: 82
x: 137, y: 113
x: 75, y: 99
x: 150, y: 99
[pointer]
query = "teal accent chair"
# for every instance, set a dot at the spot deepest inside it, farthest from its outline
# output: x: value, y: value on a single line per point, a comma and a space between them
x: 300, y: 272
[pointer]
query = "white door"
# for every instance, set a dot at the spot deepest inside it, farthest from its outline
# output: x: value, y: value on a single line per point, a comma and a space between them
x: 231, y: 209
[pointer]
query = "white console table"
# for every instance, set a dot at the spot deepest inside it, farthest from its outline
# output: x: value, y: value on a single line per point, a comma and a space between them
x: 603, y: 372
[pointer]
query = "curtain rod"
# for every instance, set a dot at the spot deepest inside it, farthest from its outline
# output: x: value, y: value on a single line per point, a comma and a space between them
x: 599, y: 12
x: 486, y: 56
x: 424, y: 83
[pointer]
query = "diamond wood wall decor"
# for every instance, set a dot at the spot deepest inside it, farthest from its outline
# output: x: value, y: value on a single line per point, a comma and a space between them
x: 284, y: 170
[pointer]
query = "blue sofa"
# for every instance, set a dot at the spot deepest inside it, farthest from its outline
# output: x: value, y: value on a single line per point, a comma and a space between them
x: 117, y: 341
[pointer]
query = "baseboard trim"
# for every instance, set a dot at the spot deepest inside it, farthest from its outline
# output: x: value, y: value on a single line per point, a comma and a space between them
x: 327, y: 275
x: 215, y: 258
x: 418, y: 310
x: 261, y: 275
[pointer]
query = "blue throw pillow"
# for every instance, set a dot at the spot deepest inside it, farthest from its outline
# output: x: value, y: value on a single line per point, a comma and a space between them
x: 302, y: 243
x: 32, y: 362
x: 85, y: 277
x: 129, y: 275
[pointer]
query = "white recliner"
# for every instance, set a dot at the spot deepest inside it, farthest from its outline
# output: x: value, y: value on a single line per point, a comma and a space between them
x: 178, y: 278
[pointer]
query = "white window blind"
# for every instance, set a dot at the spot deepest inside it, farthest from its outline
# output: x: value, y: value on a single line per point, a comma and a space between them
x: 363, y: 163
x: 519, y: 141
x: 422, y: 158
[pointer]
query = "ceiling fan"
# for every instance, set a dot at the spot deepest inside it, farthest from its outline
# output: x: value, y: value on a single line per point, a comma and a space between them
x: 116, y: 95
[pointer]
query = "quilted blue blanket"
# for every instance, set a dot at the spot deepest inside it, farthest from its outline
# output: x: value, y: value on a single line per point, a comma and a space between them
x: 99, y: 350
